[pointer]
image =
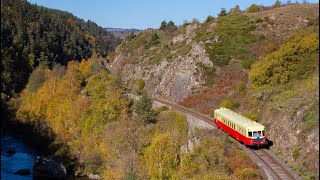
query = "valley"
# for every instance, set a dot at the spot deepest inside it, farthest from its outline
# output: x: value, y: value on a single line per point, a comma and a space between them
x: 118, y: 103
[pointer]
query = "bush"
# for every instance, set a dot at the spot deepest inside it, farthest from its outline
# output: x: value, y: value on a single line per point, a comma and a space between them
x: 253, y: 115
x: 247, y: 63
x: 141, y: 85
x: 296, y: 59
x: 209, y: 19
x: 229, y: 103
x: 295, y: 154
x: 241, y: 86
x: 253, y: 8
x: 259, y: 20
x: 247, y: 173
x: 153, y: 41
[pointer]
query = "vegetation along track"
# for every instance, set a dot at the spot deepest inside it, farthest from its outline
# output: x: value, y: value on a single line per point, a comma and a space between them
x: 272, y: 166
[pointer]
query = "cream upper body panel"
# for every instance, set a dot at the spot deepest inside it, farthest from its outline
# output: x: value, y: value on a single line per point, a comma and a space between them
x: 238, y: 119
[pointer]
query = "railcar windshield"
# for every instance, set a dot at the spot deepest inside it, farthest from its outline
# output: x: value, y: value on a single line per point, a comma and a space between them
x: 256, y: 133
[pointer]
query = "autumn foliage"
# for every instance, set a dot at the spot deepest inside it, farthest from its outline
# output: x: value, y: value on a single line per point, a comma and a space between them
x: 297, y: 58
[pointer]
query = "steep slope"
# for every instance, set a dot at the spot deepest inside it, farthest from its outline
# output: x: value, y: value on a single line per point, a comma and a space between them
x: 31, y: 35
x: 207, y: 65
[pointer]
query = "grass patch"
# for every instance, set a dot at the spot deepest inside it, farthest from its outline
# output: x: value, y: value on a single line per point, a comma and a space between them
x: 183, y: 50
x: 311, y: 119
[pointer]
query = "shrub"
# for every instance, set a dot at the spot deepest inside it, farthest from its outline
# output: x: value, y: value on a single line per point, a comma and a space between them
x: 247, y: 173
x: 271, y: 47
x: 235, y: 10
x: 247, y: 63
x: 253, y: 115
x: 153, y: 41
x: 241, y: 86
x: 295, y: 154
x: 229, y: 103
x: 297, y: 58
x: 160, y: 109
x: 253, y: 8
x: 259, y: 20
x: 209, y: 19
x: 140, y: 87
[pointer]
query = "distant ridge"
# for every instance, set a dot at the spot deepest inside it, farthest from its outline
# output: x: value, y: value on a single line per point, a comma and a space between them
x: 120, y: 32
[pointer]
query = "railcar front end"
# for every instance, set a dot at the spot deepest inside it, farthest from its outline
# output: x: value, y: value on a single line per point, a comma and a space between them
x: 256, y: 137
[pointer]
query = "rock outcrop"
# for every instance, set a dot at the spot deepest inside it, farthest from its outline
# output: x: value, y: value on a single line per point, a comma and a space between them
x: 173, y: 79
x: 48, y: 168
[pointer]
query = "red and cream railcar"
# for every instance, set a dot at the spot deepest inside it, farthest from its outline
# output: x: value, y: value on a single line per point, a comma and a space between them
x: 241, y: 128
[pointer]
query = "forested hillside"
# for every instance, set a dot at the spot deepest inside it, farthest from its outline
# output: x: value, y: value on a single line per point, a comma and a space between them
x: 33, y: 35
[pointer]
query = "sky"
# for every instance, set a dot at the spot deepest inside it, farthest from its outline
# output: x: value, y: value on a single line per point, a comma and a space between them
x: 143, y: 14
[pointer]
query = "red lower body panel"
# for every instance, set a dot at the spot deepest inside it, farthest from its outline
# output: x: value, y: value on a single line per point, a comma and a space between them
x: 235, y: 134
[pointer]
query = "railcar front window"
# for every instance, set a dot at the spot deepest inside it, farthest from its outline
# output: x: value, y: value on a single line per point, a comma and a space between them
x: 255, y: 134
x: 259, y: 134
x: 250, y: 134
x: 263, y: 133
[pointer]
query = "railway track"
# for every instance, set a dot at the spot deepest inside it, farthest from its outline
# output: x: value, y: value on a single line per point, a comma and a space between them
x: 271, y: 166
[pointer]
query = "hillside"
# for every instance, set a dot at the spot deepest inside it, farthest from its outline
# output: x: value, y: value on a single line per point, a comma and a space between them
x: 31, y: 35
x: 263, y: 65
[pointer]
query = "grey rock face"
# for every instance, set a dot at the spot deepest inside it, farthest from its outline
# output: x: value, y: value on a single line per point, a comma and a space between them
x: 181, y: 82
x: 173, y: 79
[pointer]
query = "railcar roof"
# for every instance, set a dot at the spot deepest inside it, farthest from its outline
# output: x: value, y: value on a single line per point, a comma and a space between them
x: 237, y: 118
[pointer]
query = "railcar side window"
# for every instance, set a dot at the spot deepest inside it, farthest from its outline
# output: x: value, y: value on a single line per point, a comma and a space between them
x: 250, y: 134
